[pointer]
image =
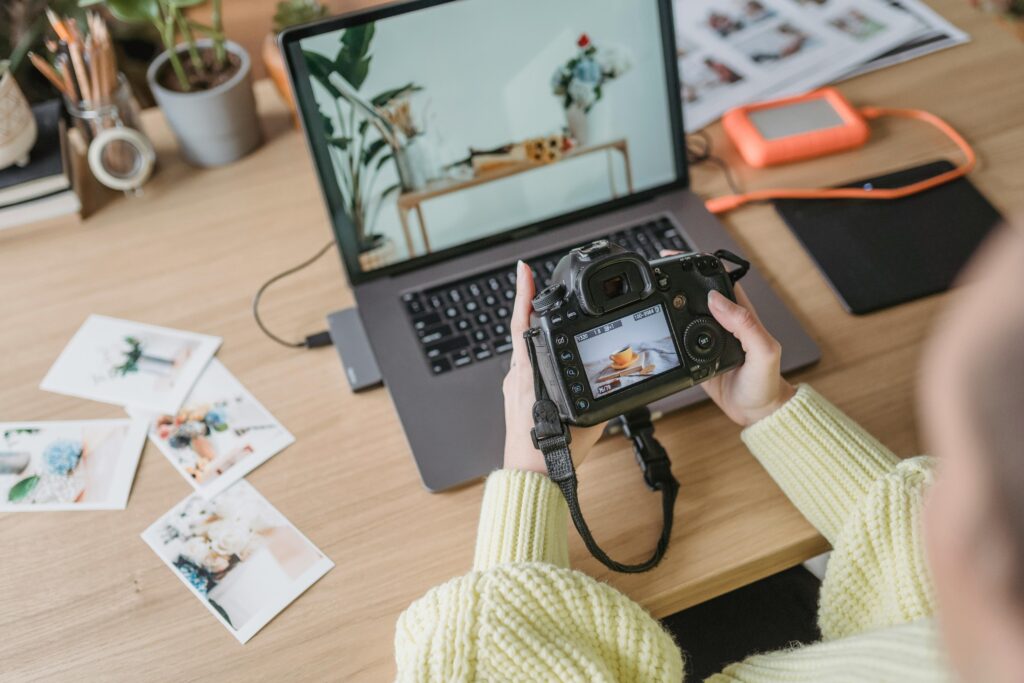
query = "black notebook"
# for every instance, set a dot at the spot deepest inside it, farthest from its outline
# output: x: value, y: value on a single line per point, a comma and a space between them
x: 877, y: 254
x: 45, y: 173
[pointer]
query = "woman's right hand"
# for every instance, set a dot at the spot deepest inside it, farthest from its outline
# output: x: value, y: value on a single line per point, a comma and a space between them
x: 756, y: 389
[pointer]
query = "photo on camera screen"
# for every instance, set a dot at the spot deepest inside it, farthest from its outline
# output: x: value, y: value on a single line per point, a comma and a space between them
x: 627, y: 351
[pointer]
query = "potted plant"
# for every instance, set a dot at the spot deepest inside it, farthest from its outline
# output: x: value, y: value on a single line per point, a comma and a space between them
x: 18, y: 127
x: 580, y: 84
x: 362, y: 139
x: 289, y: 13
x: 203, y: 85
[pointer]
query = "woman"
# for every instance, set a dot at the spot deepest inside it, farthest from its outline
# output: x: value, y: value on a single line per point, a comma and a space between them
x: 522, y: 614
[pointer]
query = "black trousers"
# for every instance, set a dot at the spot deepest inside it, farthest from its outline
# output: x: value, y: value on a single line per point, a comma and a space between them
x: 771, y: 614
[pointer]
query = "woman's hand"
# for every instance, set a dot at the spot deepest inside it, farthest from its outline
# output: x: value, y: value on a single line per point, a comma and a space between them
x: 756, y: 389
x: 519, y: 394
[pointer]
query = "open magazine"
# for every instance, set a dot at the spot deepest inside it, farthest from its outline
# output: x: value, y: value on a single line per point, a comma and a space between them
x: 734, y: 52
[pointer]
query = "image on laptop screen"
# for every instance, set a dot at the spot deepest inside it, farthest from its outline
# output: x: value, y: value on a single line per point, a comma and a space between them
x: 464, y: 120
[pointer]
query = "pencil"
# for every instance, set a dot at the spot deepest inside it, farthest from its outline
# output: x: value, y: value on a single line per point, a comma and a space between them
x: 58, y: 25
x: 78, y: 62
x: 48, y: 71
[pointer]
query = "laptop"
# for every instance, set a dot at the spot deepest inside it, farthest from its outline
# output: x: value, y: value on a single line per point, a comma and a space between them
x: 452, y: 138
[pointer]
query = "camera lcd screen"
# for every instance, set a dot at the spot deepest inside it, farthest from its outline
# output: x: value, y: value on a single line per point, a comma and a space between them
x: 627, y: 351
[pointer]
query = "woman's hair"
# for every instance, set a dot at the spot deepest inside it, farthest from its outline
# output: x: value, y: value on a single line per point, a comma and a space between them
x: 996, y: 400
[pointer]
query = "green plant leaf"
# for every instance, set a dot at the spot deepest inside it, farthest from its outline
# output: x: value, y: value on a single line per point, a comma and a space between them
x: 22, y: 488
x: 180, y: 4
x: 373, y: 150
x: 341, y: 143
x: 320, y: 68
x: 353, y: 60
x: 385, y: 98
x: 383, y: 160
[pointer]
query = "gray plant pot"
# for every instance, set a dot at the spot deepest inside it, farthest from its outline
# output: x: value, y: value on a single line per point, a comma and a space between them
x: 217, y: 126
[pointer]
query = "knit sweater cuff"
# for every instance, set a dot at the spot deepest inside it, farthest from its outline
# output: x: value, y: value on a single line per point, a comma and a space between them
x: 823, y: 461
x: 523, y: 519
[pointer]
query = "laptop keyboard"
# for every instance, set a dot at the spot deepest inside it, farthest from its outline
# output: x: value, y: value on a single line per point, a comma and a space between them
x: 466, y: 321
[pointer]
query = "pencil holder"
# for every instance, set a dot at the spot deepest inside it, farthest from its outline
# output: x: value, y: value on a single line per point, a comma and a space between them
x: 120, y: 155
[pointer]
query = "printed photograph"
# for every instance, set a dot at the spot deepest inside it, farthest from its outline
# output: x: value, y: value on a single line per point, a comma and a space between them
x: 80, y: 465
x: 857, y: 24
x: 438, y: 151
x: 776, y: 44
x: 220, y: 434
x: 704, y: 75
x: 736, y: 16
x: 627, y: 351
x: 238, y: 555
x: 130, y: 364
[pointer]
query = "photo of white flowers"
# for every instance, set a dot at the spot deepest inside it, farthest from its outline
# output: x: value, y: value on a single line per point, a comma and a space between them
x: 130, y: 364
x: 220, y: 434
x: 81, y: 465
x: 240, y: 556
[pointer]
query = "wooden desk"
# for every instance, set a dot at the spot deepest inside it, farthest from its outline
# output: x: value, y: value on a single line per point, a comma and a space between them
x: 82, y: 596
x: 413, y: 201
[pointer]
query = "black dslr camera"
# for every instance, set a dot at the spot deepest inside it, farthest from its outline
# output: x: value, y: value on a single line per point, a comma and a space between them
x: 614, y: 332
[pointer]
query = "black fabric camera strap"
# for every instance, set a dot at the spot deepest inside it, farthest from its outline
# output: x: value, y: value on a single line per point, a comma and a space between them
x: 552, y: 437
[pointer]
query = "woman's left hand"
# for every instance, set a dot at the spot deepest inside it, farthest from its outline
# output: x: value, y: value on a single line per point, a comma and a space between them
x: 519, y: 393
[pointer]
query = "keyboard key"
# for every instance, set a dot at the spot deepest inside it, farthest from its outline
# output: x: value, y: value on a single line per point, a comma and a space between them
x: 493, y: 284
x: 432, y: 335
x: 490, y: 301
x: 463, y: 324
x: 504, y: 346
x: 474, y: 289
x: 435, y: 301
x: 414, y: 306
x: 461, y: 359
x: 452, y: 312
x: 480, y: 335
x: 500, y: 330
x: 454, y: 295
x: 482, y: 352
x: 510, y: 294
x: 440, y: 365
x: 502, y: 312
x: 446, y: 346
x: 511, y: 277
x: 424, y: 321
x: 483, y: 318
x: 472, y: 307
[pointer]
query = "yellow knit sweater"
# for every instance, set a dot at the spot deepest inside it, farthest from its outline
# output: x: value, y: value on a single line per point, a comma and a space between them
x: 523, y: 615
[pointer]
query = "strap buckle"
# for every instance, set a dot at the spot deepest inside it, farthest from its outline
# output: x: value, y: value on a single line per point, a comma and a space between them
x: 650, y: 455
x: 548, y: 426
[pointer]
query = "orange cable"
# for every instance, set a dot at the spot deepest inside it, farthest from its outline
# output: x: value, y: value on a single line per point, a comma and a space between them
x: 720, y: 205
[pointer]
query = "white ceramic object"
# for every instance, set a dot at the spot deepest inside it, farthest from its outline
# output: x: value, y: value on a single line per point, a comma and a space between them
x: 588, y: 128
x: 17, y: 125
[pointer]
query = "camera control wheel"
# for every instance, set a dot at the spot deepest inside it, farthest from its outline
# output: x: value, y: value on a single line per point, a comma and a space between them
x: 703, y: 341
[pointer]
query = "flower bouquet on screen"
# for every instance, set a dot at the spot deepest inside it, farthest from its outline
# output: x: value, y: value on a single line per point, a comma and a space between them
x: 581, y: 83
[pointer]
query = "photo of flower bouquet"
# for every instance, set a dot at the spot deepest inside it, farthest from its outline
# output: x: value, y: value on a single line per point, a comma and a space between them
x: 220, y: 434
x: 87, y: 465
x: 581, y: 82
x: 238, y: 555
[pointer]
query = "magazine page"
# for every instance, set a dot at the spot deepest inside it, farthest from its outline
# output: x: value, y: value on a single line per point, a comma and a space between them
x: 933, y: 33
x: 734, y: 51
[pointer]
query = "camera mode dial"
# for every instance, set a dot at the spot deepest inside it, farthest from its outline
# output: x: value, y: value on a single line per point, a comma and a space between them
x: 549, y: 297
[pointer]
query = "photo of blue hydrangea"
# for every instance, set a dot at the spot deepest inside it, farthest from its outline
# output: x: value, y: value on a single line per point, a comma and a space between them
x: 80, y: 465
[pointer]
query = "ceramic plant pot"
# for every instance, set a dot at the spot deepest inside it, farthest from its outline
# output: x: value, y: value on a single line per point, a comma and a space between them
x: 17, y: 124
x: 217, y: 126
x: 587, y: 128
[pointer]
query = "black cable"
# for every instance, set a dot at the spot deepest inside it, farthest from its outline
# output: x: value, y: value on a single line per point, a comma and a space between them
x: 699, y: 150
x: 312, y: 341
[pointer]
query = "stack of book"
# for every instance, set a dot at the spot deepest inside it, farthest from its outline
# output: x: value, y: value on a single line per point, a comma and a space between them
x: 43, y: 188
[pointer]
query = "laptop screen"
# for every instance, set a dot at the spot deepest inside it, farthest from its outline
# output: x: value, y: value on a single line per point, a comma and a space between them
x: 460, y: 122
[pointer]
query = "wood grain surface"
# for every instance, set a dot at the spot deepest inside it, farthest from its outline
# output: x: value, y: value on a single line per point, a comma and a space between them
x: 82, y: 596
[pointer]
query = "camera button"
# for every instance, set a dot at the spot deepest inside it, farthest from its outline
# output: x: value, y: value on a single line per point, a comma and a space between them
x: 582, y: 404
x: 566, y: 356
x: 571, y: 315
x: 576, y: 389
x: 556, y: 319
x: 572, y: 372
x: 679, y: 302
x: 561, y: 340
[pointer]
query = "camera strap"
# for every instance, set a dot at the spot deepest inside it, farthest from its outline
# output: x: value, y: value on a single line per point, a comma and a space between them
x: 552, y: 437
